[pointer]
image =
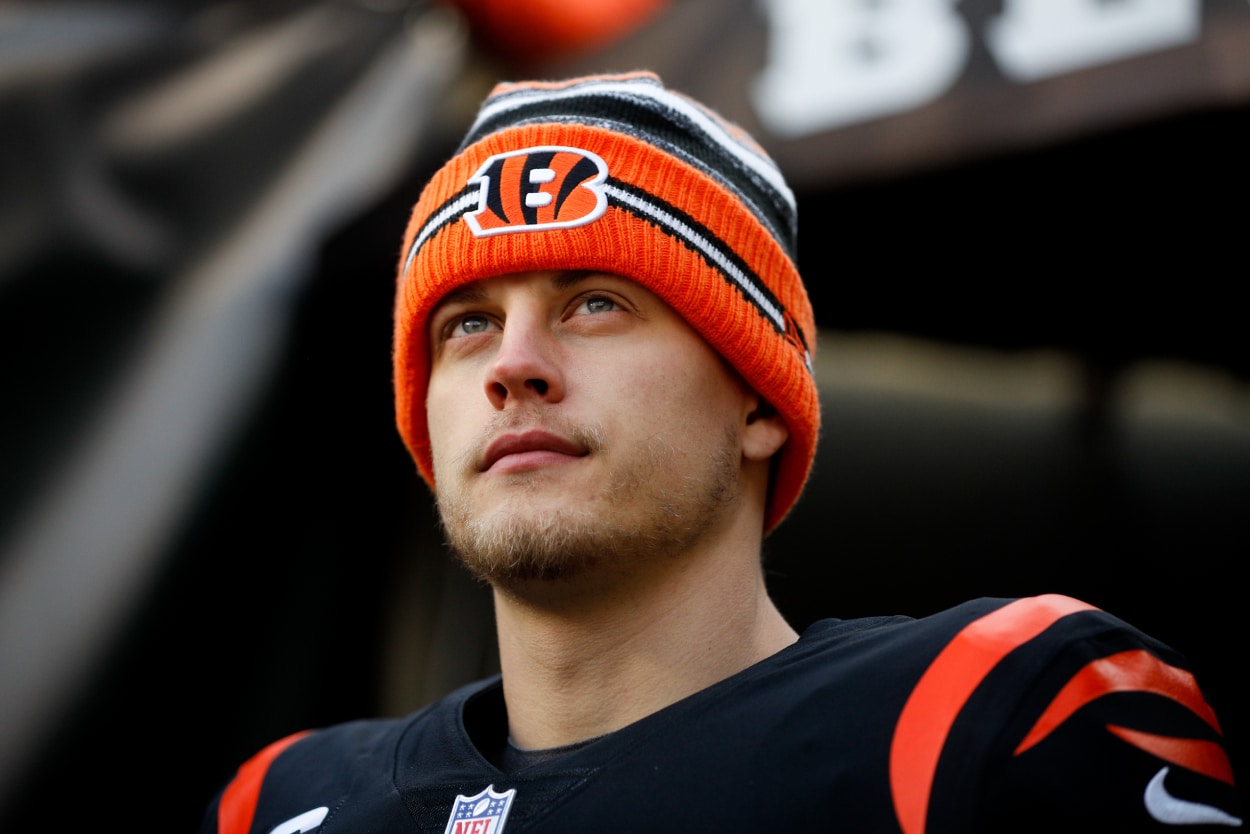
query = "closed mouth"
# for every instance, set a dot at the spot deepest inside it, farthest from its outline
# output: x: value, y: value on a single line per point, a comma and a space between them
x: 516, y: 443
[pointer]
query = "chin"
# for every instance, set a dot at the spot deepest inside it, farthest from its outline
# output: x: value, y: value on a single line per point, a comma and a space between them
x: 516, y: 546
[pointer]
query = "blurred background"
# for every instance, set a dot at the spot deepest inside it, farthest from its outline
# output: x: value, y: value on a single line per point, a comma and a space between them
x: 1021, y: 222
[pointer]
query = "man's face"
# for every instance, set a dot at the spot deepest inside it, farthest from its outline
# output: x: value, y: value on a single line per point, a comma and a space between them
x: 577, y: 423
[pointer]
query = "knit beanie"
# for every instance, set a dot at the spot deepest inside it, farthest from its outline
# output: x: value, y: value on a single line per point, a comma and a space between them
x: 616, y: 173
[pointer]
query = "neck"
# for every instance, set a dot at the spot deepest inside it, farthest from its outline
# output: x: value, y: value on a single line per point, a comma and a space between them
x: 581, y: 660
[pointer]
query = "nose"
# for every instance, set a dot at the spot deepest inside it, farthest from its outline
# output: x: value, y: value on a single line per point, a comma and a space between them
x: 526, y: 367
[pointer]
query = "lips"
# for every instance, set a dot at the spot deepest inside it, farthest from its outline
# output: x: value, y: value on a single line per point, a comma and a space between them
x: 531, y: 444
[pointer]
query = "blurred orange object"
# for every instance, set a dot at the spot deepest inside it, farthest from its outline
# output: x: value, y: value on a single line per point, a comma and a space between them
x: 539, y: 30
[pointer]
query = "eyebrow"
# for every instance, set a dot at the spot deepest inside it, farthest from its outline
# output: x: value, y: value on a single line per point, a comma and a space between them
x: 467, y: 293
x: 472, y: 292
x: 573, y: 277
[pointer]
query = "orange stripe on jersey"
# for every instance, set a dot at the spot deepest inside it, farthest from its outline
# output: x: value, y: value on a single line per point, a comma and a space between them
x: 945, y: 687
x: 1131, y: 671
x: 238, y: 802
x: 1205, y: 757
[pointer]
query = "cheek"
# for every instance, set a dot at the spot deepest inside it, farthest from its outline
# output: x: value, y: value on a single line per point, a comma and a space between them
x: 446, y: 412
x: 697, y: 393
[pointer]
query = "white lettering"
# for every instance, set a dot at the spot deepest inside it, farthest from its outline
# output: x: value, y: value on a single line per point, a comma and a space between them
x: 832, y: 63
x: 1036, y: 39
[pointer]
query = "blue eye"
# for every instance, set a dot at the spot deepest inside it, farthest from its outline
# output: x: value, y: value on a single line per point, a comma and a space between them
x: 469, y: 325
x: 599, y: 304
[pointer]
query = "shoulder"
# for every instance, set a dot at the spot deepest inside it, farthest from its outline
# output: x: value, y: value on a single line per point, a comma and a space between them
x: 1038, y: 711
x: 302, y: 775
x: 987, y: 629
x: 1061, y: 707
x: 337, y: 772
x: 990, y: 628
x: 1050, y: 644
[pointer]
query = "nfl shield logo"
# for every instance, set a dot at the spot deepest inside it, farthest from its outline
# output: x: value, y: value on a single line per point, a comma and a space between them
x: 482, y: 813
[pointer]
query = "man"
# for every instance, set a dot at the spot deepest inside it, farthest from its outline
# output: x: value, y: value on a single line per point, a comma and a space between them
x: 603, y: 370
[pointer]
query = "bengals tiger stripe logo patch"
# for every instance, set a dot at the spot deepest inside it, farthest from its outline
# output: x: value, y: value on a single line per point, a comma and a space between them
x: 546, y: 187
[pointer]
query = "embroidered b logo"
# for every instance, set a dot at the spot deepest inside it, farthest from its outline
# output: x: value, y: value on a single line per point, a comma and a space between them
x: 548, y: 187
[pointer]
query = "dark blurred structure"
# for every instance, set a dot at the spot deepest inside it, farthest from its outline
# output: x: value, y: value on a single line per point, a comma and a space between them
x: 1018, y: 222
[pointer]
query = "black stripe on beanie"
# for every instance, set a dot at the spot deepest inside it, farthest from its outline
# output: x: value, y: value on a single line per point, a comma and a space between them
x: 669, y: 130
x: 697, y: 237
x: 449, y: 212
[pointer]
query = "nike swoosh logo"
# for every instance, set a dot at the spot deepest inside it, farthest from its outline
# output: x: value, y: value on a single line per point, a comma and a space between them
x: 1169, y: 810
x: 307, y: 821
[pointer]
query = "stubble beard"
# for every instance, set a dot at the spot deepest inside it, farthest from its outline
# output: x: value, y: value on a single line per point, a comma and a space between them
x: 649, y: 507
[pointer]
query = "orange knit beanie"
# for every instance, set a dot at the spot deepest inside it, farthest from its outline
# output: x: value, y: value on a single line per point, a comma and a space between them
x: 616, y: 173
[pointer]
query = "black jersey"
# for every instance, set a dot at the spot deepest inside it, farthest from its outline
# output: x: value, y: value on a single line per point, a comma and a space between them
x: 1037, y: 714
